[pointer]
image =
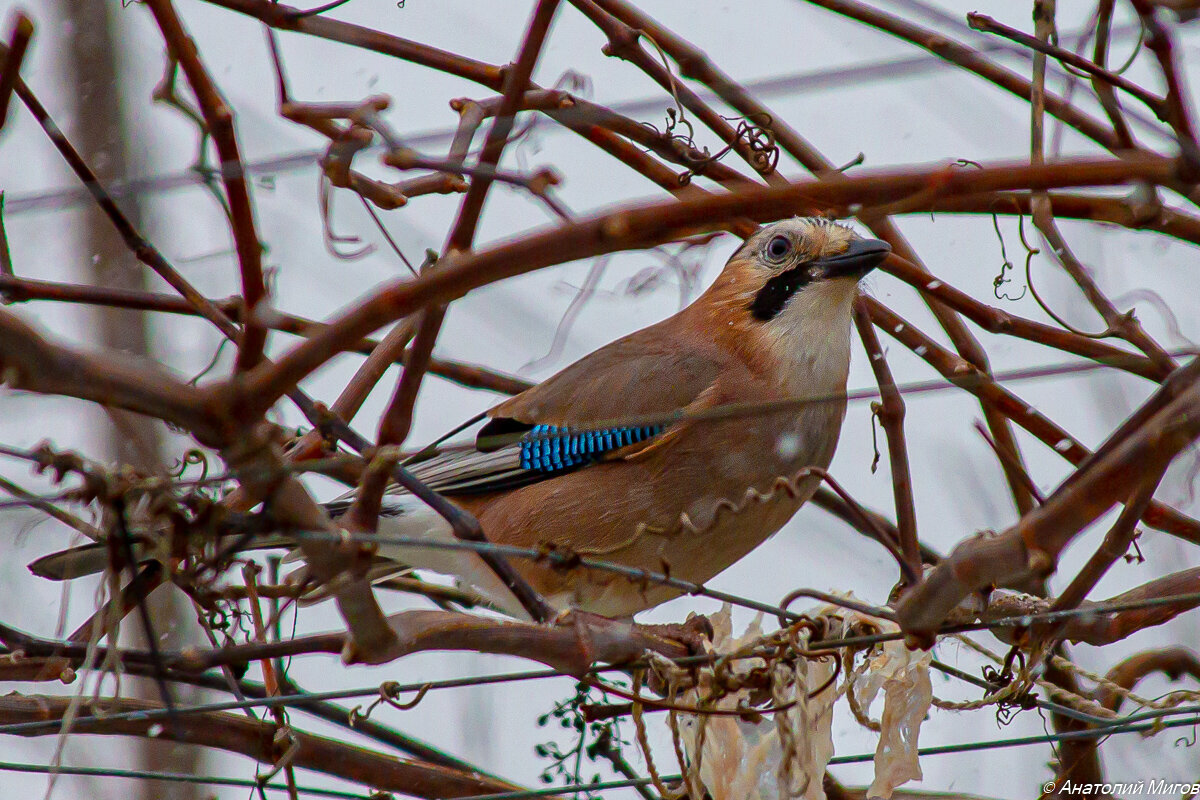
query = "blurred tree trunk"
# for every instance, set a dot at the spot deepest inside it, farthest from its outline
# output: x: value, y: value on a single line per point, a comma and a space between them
x: 104, y: 133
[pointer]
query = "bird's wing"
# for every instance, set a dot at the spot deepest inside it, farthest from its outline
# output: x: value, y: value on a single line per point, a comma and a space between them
x: 652, y: 371
x: 627, y: 388
x: 544, y: 431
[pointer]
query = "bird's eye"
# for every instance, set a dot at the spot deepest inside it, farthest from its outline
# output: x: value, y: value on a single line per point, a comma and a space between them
x: 778, y: 248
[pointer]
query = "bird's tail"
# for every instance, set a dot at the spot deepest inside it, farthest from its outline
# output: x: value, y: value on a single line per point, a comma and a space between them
x: 405, y: 522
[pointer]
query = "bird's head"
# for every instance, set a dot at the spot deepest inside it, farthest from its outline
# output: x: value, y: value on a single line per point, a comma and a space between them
x: 799, y: 265
x: 789, y: 289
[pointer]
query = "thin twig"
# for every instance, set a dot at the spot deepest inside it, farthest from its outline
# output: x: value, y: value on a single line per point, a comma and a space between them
x: 892, y: 415
x: 984, y: 23
x: 10, y: 64
x: 219, y: 119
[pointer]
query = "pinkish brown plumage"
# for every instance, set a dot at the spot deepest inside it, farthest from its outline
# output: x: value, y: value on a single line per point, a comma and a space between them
x: 702, y: 493
x: 592, y: 460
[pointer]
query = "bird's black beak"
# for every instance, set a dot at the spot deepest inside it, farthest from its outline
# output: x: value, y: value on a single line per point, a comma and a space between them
x: 862, y: 256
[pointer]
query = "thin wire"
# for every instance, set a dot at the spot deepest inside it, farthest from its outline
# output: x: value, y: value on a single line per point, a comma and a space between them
x: 783, y: 85
x: 286, y: 700
x: 1101, y: 731
x: 634, y: 573
x: 967, y: 747
x: 386, y: 235
x: 728, y: 411
x: 863, y: 757
x: 1024, y: 620
x: 930, y: 386
x: 299, y: 700
x: 174, y: 777
x: 315, y: 465
x: 134, y: 774
x: 570, y: 560
x: 1047, y: 705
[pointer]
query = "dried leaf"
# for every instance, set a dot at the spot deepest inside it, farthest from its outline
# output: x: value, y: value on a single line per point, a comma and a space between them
x: 786, y: 756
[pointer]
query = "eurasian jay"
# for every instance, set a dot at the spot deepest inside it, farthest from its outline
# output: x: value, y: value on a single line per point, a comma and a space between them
x: 685, y: 493
x: 690, y: 497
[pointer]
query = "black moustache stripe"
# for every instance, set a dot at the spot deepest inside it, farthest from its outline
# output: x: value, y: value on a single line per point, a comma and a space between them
x: 774, y: 295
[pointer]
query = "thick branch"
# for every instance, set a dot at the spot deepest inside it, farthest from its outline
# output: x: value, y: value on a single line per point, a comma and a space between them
x: 571, y: 645
x: 253, y: 739
x: 1174, y: 662
x: 31, y: 362
x: 652, y: 224
x: 960, y: 372
x: 1031, y: 547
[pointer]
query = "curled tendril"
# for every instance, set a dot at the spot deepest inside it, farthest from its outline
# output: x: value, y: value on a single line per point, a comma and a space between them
x: 212, y: 363
x: 228, y: 618
x: 675, y: 117
x: 216, y: 619
x: 876, y: 411
x: 1032, y: 251
x: 1008, y: 708
x: 388, y: 691
x: 192, y: 457
x: 838, y: 666
x: 1053, y: 39
x: 1002, y: 277
x: 1006, y: 265
x: 759, y: 139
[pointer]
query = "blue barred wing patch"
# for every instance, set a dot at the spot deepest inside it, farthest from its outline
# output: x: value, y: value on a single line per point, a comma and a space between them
x: 551, y: 448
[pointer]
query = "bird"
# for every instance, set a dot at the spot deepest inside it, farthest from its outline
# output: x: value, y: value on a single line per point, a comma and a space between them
x: 625, y: 456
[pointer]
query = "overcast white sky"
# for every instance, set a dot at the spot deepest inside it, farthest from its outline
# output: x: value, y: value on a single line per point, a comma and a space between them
x: 929, y: 114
